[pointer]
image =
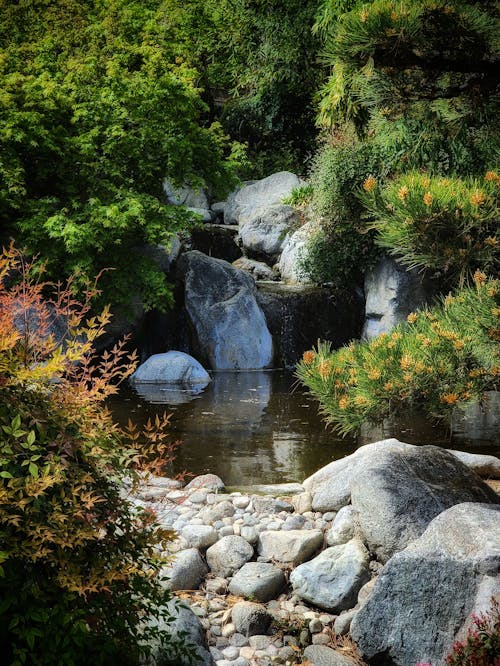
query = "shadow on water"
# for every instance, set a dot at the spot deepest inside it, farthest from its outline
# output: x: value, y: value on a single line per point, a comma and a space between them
x: 261, y: 427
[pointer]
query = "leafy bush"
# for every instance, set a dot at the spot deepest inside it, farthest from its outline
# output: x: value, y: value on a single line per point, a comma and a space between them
x: 94, y: 113
x: 78, y: 563
x: 448, y: 226
x: 342, y: 249
x: 443, y: 357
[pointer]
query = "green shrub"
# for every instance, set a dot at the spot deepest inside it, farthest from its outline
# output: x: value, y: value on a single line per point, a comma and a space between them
x: 342, y: 249
x: 443, y: 357
x: 448, y: 226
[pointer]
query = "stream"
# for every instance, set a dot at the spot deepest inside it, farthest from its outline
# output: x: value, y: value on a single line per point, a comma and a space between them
x: 262, y: 427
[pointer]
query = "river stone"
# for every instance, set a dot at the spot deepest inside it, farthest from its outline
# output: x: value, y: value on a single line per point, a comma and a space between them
x: 426, y: 593
x: 250, y: 618
x: 398, y: 493
x: 277, y: 489
x: 320, y: 655
x: 186, y: 571
x: 257, y: 269
x: 343, y: 622
x: 216, y: 512
x: 333, y: 579
x: 209, y: 481
x: 230, y: 328
x: 264, y: 230
x: 265, y: 192
x: 186, y: 627
x: 271, y: 505
x: 173, y: 367
x: 392, y: 292
x: 228, y: 555
x: 294, y: 248
x: 291, y: 546
x: 258, y: 580
x: 343, y: 528
x: 199, y: 536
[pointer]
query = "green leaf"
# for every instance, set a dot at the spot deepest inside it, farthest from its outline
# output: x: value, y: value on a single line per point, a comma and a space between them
x: 6, y: 475
x: 33, y: 470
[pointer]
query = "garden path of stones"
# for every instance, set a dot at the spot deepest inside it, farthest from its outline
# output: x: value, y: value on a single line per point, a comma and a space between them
x: 276, y: 574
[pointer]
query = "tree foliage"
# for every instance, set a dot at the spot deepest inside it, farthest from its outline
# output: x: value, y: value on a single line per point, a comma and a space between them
x: 78, y: 563
x: 94, y: 113
x: 443, y: 357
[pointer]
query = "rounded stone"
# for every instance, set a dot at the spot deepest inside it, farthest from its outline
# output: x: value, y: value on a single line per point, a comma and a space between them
x: 228, y: 555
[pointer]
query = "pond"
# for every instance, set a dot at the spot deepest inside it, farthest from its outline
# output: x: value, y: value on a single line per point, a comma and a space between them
x: 262, y: 427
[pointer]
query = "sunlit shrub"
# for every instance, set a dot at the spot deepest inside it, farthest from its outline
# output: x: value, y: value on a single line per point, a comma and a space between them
x: 78, y: 563
x: 448, y: 226
x: 441, y: 358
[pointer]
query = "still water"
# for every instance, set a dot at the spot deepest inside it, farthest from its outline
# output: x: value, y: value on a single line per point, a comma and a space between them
x: 262, y: 427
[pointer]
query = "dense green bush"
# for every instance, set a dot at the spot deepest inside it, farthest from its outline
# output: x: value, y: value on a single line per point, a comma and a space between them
x: 443, y: 357
x: 342, y: 249
x: 94, y: 113
x: 79, y: 564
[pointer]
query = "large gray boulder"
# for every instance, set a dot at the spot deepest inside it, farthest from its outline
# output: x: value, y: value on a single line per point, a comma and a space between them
x: 398, y: 493
x: 195, y: 199
x: 266, y: 192
x: 333, y: 579
x: 230, y: 328
x: 294, y: 248
x: 264, y: 230
x: 290, y: 546
x: 258, y: 580
x: 173, y: 367
x: 330, y: 486
x: 392, y: 292
x: 424, y: 596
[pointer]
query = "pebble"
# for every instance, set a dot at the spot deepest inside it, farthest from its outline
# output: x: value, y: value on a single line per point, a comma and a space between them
x: 320, y: 639
x: 231, y: 652
x: 260, y: 642
x: 228, y: 630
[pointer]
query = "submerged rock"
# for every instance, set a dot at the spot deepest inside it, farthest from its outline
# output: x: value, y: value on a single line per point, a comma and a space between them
x: 173, y: 367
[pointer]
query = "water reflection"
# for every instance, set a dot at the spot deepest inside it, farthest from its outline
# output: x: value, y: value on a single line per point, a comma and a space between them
x: 256, y: 427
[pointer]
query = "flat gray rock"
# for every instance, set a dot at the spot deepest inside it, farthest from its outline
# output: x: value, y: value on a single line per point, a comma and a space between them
x: 291, y: 546
x: 321, y: 655
x: 228, y: 555
x: 173, y: 367
x: 333, y: 579
x: 451, y: 571
x: 398, y: 493
x: 255, y: 194
x: 208, y: 481
x: 258, y: 580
